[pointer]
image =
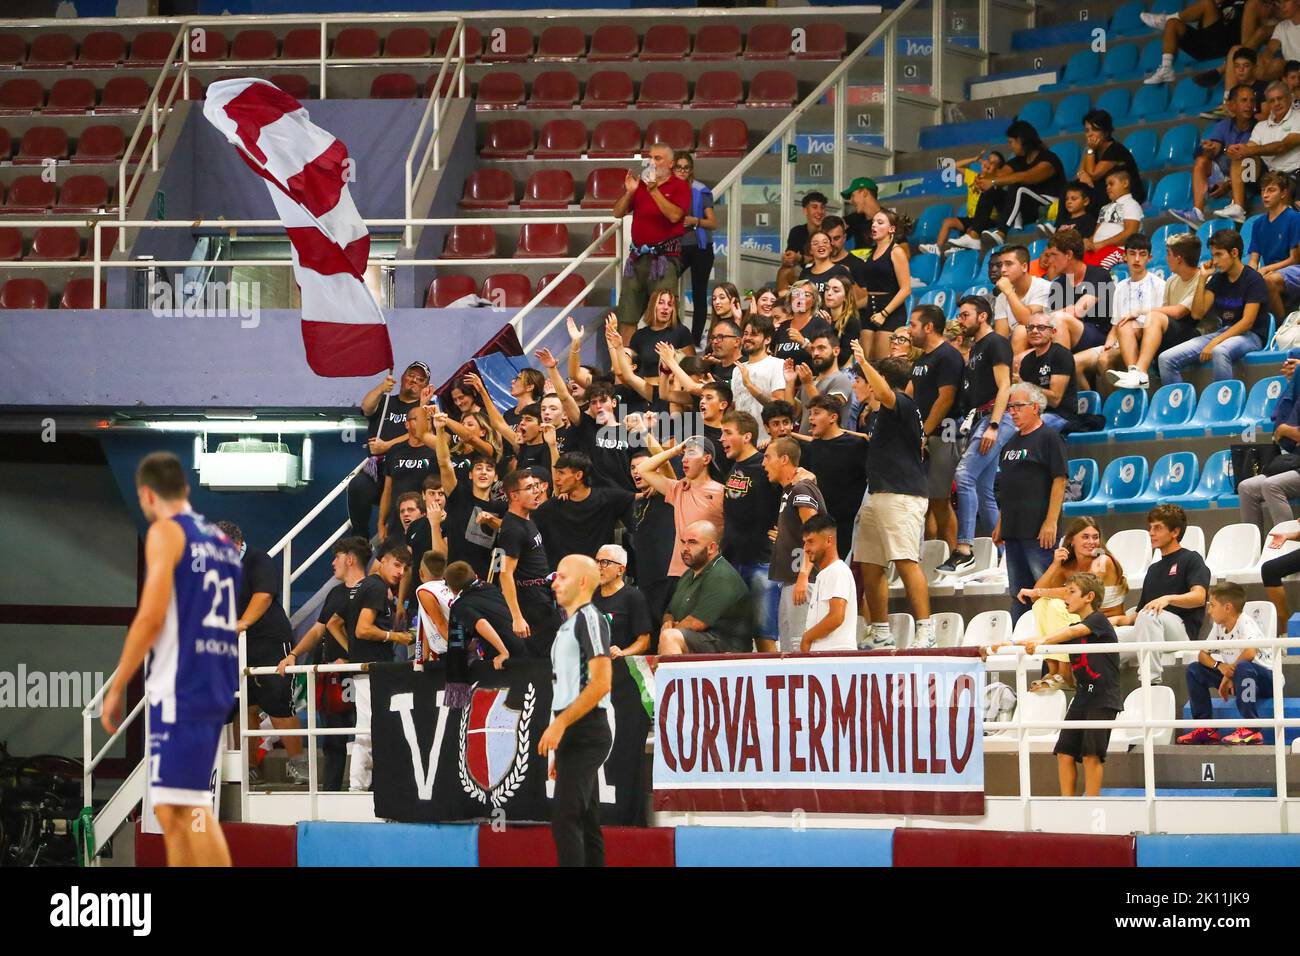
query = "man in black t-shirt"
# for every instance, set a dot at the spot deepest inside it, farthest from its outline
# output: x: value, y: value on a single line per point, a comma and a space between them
x: 800, y: 500
x: 630, y: 626
x: 406, y: 465
x: 839, y: 460
x: 891, y: 523
x: 578, y: 519
x: 1081, y: 295
x: 386, y: 426
x: 1050, y: 366
x: 749, y: 508
x: 935, y: 384
x: 479, y: 611
x: 473, y: 515
x: 1175, y: 589
x: 525, y: 569
x: 654, y: 532
x: 595, y: 431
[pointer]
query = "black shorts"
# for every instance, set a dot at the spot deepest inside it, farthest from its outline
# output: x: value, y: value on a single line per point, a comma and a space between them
x: 271, y: 693
x: 1085, y: 743
x: 1211, y: 43
x: 1091, y: 337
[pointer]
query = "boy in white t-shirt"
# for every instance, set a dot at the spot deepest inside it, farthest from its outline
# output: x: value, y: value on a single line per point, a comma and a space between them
x: 1133, y: 299
x: 832, y: 623
x: 435, y: 605
x: 1118, y: 220
x: 1244, y: 673
x: 1020, y: 295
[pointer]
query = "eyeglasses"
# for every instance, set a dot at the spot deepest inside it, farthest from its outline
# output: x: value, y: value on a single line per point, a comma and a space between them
x: 1019, y: 405
x: 607, y: 562
x: 902, y: 339
x: 722, y: 335
x: 682, y: 169
x: 1039, y: 328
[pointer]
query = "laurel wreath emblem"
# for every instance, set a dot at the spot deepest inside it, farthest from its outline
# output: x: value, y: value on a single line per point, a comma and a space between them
x: 504, y: 790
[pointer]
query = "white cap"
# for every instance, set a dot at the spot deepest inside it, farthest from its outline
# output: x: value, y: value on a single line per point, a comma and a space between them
x: 612, y: 552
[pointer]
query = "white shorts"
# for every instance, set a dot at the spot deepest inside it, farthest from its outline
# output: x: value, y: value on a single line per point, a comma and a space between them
x: 890, y: 528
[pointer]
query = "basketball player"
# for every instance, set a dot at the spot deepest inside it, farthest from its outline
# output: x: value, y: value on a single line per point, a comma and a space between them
x: 185, y: 622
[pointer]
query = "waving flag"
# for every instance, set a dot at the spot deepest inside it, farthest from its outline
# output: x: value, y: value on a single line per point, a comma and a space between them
x: 342, y: 326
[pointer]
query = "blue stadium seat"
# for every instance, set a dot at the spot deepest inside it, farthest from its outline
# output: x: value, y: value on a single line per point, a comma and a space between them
x: 1037, y: 114
x: 1115, y: 102
x: 1124, y: 408
x: 945, y: 299
x: 925, y: 266
x: 1150, y: 56
x: 1068, y: 117
x: 1123, y: 479
x: 1248, y: 229
x: 979, y: 288
x: 1036, y: 248
x: 1268, y: 354
x: 1167, y: 6
x: 1142, y: 144
x: 1174, y: 474
x: 1187, y: 99
x: 1081, y: 69
x: 1216, y: 481
x: 1127, y: 22
x: 1260, y: 403
x: 1159, y: 267
x: 1068, y: 153
x: 1221, y: 402
x: 1119, y: 271
x: 1177, y: 146
x: 1089, y: 403
x: 960, y: 268
x: 1119, y: 63
x: 1161, y: 236
x: 1150, y: 100
x: 1171, y: 405
x: 1172, y: 192
x: 1082, y: 472
x: 926, y: 228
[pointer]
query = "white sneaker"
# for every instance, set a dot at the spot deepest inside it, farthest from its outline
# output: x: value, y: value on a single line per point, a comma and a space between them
x: 1231, y: 211
x: 1163, y: 74
x: 965, y: 242
x: 1133, y: 378
x: 924, y: 636
x: 1156, y: 21
x: 929, y: 248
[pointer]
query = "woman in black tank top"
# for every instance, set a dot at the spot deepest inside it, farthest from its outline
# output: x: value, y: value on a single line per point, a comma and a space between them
x: 889, y: 280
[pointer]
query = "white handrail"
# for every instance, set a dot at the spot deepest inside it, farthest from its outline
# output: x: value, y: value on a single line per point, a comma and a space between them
x: 436, y: 109
x: 542, y: 293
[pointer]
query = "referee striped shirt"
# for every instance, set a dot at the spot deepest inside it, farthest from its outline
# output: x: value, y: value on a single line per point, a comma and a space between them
x: 580, y: 638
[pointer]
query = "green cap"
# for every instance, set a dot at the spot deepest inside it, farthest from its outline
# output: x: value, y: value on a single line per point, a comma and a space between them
x: 862, y: 182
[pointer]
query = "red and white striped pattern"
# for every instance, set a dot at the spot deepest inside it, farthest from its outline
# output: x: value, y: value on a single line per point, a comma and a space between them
x: 305, y: 168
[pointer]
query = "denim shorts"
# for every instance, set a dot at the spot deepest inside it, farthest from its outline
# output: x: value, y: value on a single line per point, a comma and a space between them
x: 766, y: 595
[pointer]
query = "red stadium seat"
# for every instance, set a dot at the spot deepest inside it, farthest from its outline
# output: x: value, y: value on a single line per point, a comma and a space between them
x: 507, y: 139
x: 768, y: 41
x: 607, y: 248
x: 254, y: 45
x: 718, y: 89
x: 21, y: 96
x: 24, y: 294
x: 563, y: 293
x: 294, y: 84
x: 79, y: 294
x: 508, y: 45
x: 554, y: 90
x: 548, y: 189
x: 70, y: 97
x: 107, y: 243
x: 207, y: 46
x: 823, y: 41
x: 666, y: 41
x: 507, y: 290
x: 488, y: 188
x: 608, y: 90
x: 447, y: 288
x: 663, y: 91
x: 545, y: 240
x: 717, y: 41
x: 726, y: 136
x: 470, y: 242
x: 603, y: 187
x: 303, y: 44
x: 193, y: 87
x: 613, y: 41
x: 561, y: 139
x: 13, y: 49
x: 150, y: 48
x: 356, y: 43
x: 678, y: 134
x: 615, y: 139
x: 51, y: 51
x: 100, y: 144
x: 408, y: 43
x: 773, y: 88
x: 124, y: 94
x: 56, y: 244
x: 394, y: 86
x: 500, y: 91
x: 102, y: 50
x: 6, y: 145
x: 473, y: 43
x: 83, y: 194
x: 561, y: 43
x: 40, y: 143
x: 29, y: 194
x: 11, y: 244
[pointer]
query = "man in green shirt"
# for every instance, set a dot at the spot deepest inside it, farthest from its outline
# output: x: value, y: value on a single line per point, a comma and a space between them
x: 710, y: 612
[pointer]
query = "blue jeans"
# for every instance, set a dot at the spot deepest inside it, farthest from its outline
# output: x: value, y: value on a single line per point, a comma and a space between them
x: 1247, y: 677
x: 1026, y: 563
x: 765, y: 596
x: 975, y: 474
x: 1173, y: 362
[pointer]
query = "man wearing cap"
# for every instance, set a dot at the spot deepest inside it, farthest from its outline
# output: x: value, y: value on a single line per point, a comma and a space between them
x: 697, y: 497
x: 385, y: 428
x: 623, y: 605
x: 861, y: 195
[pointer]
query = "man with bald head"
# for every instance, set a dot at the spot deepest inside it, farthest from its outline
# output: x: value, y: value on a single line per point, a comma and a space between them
x: 579, y: 731
x: 710, y: 612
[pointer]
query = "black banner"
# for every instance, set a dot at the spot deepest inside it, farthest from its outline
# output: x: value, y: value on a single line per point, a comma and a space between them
x: 434, y: 764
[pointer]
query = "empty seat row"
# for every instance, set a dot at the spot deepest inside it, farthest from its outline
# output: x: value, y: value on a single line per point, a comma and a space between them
x: 506, y: 290
x: 54, y: 244
x: 73, y: 96
x: 491, y: 188
x: 1150, y: 104
x: 567, y: 139
x: 1224, y: 408
x: 33, y: 293
x: 96, y: 144
x: 536, y: 241
x: 612, y: 89
x: 32, y: 195
x: 1122, y: 62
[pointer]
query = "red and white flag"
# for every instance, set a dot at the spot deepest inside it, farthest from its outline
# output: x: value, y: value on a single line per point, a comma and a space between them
x: 305, y: 168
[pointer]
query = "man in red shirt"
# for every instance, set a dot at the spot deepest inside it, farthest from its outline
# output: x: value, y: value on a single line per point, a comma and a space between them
x: 658, y: 206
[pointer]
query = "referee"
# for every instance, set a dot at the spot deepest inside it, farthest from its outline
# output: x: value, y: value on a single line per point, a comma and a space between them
x: 579, y: 733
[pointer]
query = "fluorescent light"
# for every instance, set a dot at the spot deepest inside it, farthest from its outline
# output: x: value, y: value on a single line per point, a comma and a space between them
x: 250, y: 426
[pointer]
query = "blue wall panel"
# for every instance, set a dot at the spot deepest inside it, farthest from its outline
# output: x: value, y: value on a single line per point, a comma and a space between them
x: 1220, y: 850
x: 387, y: 844
x: 779, y: 846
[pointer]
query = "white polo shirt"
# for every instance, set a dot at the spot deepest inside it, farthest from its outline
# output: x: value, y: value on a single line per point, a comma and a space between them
x: 1267, y: 132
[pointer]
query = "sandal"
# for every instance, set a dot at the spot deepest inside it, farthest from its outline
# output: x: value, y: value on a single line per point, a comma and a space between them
x: 1047, y: 684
